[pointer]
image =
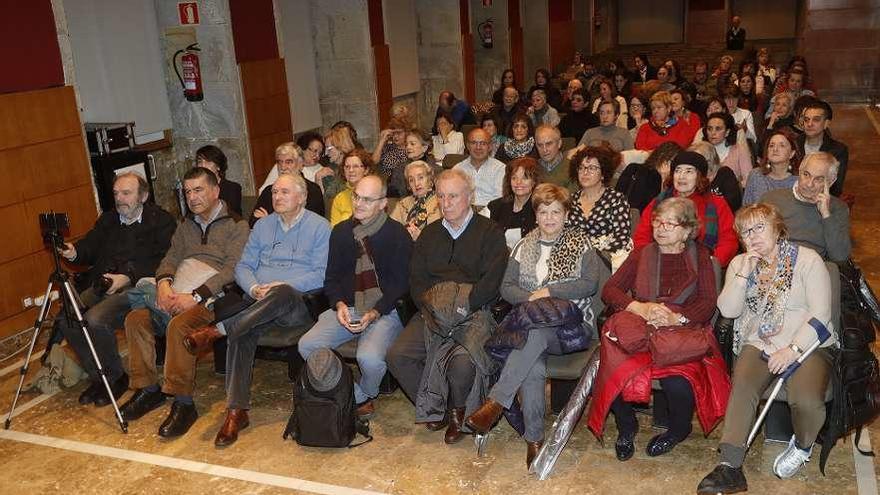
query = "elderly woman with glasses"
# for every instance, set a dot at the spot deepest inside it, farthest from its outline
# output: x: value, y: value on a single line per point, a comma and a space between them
x: 420, y: 208
x: 777, y: 292
x: 663, y: 294
x: 355, y: 166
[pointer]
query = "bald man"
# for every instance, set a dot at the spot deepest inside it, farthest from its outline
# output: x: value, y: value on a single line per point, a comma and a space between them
x: 486, y: 172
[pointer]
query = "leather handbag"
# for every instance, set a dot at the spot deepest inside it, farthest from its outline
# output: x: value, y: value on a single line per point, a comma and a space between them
x: 679, y: 345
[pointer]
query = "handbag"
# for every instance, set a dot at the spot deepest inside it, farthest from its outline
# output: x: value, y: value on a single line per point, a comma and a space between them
x: 678, y: 345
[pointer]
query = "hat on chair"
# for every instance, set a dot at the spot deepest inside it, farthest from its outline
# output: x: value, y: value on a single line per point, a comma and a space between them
x: 324, y: 369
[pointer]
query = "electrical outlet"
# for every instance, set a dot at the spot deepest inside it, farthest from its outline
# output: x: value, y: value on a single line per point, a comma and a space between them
x: 27, y: 302
x: 38, y: 301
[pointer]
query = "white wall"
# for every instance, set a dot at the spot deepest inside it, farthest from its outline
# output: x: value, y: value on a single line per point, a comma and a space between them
x: 657, y: 21
x: 400, y: 34
x: 298, y: 52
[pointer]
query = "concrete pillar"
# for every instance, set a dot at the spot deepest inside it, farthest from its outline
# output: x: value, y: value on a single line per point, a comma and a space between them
x: 536, y: 29
x: 344, y: 65
x: 439, y: 54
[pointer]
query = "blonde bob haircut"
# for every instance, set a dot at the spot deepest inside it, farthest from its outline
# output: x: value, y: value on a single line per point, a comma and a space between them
x: 755, y: 213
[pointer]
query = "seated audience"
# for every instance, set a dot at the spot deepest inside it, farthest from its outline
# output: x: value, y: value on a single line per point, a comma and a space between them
x: 508, y: 80
x: 542, y: 81
x: 578, y: 119
x: 125, y: 245
x: 418, y: 148
x: 751, y: 98
x: 285, y: 256
x: 608, y: 131
x: 644, y: 70
x: 642, y: 182
x: 765, y: 68
x: 510, y: 106
x: 715, y: 227
x: 723, y: 74
x: 596, y: 208
x: 667, y: 284
x: 720, y: 132
x: 722, y: 180
x: 420, y: 208
x: 459, y: 110
x: 663, y: 125
x: 489, y: 123
x: 574, y: 84
x: 439, y: 359
x: 779, y: 169
x: 608, y: 92
x: 520, y: 140
x: 553, y: 261
x: 793, y: 85
x: 781, y: 113
x: 622, y: 82
x: 813, y: 216
x: 447, y: 140
x: 513, y: 212
x: 776, y: 291
x: 288, y: 160
x: 703, y: 87
x: 390, y: 152
x: 312, y: 145
x: 355, y: 166
x: 554, y: 164
x: 365, y: 277
x: 743, y: 118
x: 540, y: 112
x: 487, y: 173
x: 816, y: 137
x: 213, y: 159
x: 204, y: 251
x: 680, y: 102
x: 340, y: 141
x: 639, y: 114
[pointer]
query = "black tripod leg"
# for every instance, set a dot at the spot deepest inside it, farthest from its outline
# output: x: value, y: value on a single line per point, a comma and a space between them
x: 71, y: 299
x: 38, y: 324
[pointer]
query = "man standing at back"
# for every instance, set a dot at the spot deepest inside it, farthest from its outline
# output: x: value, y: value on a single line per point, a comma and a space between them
x: 736, y: 36
x: 487, y: 172
x: 367, y: 272
x: 204, y: 251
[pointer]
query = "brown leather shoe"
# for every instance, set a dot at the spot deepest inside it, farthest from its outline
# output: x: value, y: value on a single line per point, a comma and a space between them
x: 201, y: 339
x: 236, y: 420
x: 437, y: 425
x: 484, y: 418
x: 366, y: 410
x: 532, y: 449
x: 456, y: 421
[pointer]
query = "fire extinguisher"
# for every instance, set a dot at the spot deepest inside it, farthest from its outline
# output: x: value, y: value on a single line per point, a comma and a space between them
x: 486, y: 33
x: 192, y: 74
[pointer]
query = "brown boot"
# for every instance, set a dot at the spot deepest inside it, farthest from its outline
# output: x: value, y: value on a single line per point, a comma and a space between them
x: 201, y: 339
x: 236, y: 420
x: 456, y: 421
x: 365, y: 410
x: 532, y: 449
x: 438, y: 425
x: 484, y: 418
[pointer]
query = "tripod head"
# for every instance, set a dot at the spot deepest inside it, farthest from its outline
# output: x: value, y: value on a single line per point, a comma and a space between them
x: 52, y: 228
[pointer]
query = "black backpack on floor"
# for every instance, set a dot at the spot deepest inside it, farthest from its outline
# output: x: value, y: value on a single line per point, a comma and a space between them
x: 855, y: 376
x: 325, y: 419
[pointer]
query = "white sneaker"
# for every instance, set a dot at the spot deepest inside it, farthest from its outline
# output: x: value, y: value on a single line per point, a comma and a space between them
x: 790, y: 461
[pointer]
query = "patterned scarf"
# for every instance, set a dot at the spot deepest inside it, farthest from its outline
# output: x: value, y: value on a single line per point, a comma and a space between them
x: 366, y: 281
x: 418, y: 214
x: 710, y: 217
x: 515, y: 149
x: 766, y: 301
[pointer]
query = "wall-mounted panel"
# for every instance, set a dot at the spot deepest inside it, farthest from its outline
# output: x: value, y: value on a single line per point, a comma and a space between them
x: 659, y: 21
x: 402, y: 39
x: 29, y: 47
x: 299, y: 63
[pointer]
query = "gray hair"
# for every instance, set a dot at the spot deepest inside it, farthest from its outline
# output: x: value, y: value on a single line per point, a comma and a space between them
x: 684, y: 212
x: 827, y: 159
x: 708, y: 151
x: 547, y: 127
x: 297, y: 179
x: 289, y: 149
x: 419, y: 163
x: 143, y: 186
x: 455, y: 173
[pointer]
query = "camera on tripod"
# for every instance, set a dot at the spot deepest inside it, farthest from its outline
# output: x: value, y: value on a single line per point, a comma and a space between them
x: 52, y: 228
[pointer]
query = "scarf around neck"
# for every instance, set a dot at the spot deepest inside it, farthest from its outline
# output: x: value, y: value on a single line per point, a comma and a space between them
x: 366, y: 281
x: 647, y: 285
x: 418, y: 214
x: 515, y: 149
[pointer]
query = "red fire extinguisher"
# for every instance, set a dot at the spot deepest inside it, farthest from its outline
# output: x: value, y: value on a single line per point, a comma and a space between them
x: 192, y: 74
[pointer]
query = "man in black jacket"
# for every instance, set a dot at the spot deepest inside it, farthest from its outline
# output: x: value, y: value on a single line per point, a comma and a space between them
x: 123, y: 246
x: 816, y: 117
x: 736, y: 36
x: 367, y: 272
x: 289, y: 159
x: 462, y: 247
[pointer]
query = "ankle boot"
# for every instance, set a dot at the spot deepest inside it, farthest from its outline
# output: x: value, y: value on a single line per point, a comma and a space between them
x: 484, y: 418
x: 456, y: 422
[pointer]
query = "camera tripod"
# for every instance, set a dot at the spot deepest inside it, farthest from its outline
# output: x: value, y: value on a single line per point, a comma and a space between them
x: 70, y: 305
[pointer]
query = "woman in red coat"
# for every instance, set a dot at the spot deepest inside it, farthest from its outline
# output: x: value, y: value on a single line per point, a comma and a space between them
x: 664, y: 125
x: 669, y: 286
x: 688, y: 180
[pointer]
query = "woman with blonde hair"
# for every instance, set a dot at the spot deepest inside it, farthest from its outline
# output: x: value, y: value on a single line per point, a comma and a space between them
x: 420, y: 208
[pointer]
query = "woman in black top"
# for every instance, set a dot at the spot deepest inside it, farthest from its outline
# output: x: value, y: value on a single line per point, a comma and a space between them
x: 520, y: 140
x: 508, y: 80
x: 642, y: 182
x: 213, y: 159
x: 542, y: 81
x: 576, y: 122
x: 513, y: 211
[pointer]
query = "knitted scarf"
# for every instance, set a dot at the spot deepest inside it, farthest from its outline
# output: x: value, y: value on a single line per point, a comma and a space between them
x: 366, y: 281
x: 710, y: 218
x: 418, y: 214
x: 515, y: 149
x: 647, y: 285
x: 766, y: 302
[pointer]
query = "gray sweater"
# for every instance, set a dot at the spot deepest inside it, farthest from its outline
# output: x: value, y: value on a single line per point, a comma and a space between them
x: 620, y: 139
x: 827, y: 236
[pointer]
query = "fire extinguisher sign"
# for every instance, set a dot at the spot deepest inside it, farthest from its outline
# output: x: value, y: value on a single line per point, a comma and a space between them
x: 188, y: 13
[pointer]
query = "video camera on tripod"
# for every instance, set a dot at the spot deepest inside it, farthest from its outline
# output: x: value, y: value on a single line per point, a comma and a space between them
x: 52, y: 228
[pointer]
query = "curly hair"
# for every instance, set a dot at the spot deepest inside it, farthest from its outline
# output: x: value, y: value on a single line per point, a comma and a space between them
x: 608, y: 160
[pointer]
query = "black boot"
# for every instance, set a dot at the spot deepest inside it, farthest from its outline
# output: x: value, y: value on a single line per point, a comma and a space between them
x: 91, y: 392
x: 625, y: 447
x: 179, y: 420
x: 117, y: 386
x: 142, y: 402
x: 723, y: 479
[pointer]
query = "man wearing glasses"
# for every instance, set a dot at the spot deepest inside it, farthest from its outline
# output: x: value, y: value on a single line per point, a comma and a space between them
x: 487, y: 172
x: 285, y: 256
x: 367, y: 272
x: 813, y: 216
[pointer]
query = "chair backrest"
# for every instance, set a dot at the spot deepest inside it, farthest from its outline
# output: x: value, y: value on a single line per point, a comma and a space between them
x: 568, y: 143
x: 634, y: 217
x: 452, y: 159
x: 467, y: 128
x: 834, y: 273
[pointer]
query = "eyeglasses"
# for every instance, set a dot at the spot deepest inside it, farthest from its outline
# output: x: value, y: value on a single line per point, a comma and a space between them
x: 754, y: 229
x: 664, y: 225
x: 363, y: 199
x: 589, y: 169
x: 478, y: 143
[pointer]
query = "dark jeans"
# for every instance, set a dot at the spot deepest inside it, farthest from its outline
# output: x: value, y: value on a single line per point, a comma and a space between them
x: 283, y: 306
x: 103, y: 316
x: 680, y: 397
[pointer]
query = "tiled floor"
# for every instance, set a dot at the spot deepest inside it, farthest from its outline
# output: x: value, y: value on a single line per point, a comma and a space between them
x: 403, y: 458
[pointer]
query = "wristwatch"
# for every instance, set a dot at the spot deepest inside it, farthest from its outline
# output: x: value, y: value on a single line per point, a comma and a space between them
x: 683, y: 320
x: 196, y: 297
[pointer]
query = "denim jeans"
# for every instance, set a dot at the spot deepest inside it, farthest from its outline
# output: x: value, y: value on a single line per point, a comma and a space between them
x: 103, y: 316
x: 373, y: 344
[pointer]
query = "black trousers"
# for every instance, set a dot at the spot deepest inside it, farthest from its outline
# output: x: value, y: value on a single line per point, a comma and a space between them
x: 680, y: 397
